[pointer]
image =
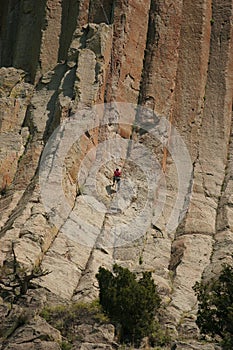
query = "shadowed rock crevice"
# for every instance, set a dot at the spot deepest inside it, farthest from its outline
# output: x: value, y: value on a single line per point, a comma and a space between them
x: 70, y: 13
x: 101, y: 11
x: 9, y: 14
x: 152, y: 41
x: 22, y: 33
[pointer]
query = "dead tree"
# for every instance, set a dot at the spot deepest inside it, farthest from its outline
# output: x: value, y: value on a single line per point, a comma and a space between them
x: 15, y: 280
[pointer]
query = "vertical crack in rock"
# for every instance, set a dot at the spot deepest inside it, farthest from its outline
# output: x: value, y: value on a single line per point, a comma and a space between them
x: 20, y: 20
x: 191, y: 72
x: 70, y: 14
x: 122, y: 45
x: 129, y: 34
x: 223, y: 237
x: 215, y: 121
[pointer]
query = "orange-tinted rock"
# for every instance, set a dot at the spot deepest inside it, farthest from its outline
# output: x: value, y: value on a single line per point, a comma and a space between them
x: 175, y: 57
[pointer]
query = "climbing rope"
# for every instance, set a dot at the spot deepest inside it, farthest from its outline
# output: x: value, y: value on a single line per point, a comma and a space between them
x: 112, y: 118
x: 104, y: 12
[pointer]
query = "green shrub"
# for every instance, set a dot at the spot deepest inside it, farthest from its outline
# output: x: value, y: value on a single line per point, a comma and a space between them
x: 215, y: 310
x: 129, y: 303
x: 65, y: 318
x: 66, y: 345
x: 159, y: 336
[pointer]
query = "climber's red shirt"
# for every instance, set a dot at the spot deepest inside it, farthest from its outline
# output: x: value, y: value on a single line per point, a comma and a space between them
x: 117, y: 173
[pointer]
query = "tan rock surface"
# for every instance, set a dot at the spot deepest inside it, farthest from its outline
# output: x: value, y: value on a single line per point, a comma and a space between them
x: 37, y: 334
x: 174, y: 57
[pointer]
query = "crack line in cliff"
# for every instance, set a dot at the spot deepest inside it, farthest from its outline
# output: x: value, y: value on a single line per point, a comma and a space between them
x: 96, y: 245
x: 18, y: 210
x: 221, y: 204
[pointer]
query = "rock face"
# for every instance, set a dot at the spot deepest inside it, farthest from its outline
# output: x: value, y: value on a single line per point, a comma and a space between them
x: 60, y: 61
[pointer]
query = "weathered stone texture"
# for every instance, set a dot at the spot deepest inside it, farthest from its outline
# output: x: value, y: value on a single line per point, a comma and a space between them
x: 15, y: 95
x: 129, y: 37
x: 38, y: 334
x: 50, y: 35
x: 161, y: 57
x: 58, y: 57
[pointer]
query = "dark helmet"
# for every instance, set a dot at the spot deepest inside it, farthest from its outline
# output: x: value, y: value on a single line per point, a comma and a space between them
x: 117, y: 169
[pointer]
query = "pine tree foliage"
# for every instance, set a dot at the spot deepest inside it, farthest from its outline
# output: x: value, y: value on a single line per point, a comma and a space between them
x: 129, y: 302
x: 215, y: 311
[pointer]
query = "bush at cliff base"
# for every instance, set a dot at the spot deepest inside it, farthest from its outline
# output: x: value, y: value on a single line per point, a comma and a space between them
x: 131, y: 304
x: 215, y: 311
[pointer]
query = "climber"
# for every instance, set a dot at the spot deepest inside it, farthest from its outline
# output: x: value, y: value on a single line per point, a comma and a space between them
x: 117, y: 177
